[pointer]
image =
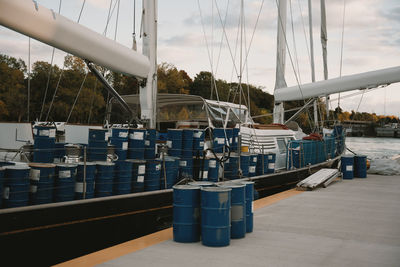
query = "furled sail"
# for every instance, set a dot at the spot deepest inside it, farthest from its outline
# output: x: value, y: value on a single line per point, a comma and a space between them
x: 34, y: 20
x: 371, y: 79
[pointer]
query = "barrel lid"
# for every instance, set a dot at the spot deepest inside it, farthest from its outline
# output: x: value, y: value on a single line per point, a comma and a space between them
x: 186, y: 187
x: 201, y: 183
x: 73, y: 145
x: 17, y: 167
x: 96, y: 129
x: 173, y: 129
x: 347, y: 156
x: 104, y: 163
x: 41, y: 165
x: 360, y: 156
x: 88, y: 163
x: 216, y: 189
x: 66, y: 165
x: 139, y: 161
x: 232, y: 185
x: 244, y: 182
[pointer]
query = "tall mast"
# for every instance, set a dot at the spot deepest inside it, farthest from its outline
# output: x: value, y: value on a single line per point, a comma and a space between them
x: 312, y: 60
x: 280, y: 59
x: 324, y: 40
x: 148, y: 92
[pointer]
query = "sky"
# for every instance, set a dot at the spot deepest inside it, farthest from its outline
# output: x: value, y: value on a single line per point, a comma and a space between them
x: 190, y: 34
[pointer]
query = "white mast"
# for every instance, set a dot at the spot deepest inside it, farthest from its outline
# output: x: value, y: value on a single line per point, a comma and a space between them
x: 280, y: 82
x: 324, y: 40
x: 34, y: 20
x: 312, y: 59
x: 148, y: 92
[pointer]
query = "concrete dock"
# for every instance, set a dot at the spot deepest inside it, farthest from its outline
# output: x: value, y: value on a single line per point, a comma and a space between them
x: 350, y: 223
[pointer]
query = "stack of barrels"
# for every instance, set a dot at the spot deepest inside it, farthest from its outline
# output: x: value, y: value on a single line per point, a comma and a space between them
x: 354, y: 166
x: 212, y: 213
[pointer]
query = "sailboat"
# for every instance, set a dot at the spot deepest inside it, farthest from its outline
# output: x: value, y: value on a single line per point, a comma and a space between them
x: 69, y: 229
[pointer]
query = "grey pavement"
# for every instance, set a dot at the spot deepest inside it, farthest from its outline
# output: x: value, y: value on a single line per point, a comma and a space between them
x: 350, y: 223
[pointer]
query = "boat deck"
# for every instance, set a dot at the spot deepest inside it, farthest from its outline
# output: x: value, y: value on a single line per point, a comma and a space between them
x: 350, y: 223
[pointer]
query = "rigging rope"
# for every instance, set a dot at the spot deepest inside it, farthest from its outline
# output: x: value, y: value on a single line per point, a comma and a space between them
x: 50, y: 71
x: 292, y: 64
x: 63, y: 68
x: 294, y: 40
x: 77, y: 96
x: 92, y: 101
x: 304, y: 30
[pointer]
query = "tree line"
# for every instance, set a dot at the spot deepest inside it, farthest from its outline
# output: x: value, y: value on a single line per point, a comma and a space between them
x: 54, y: 90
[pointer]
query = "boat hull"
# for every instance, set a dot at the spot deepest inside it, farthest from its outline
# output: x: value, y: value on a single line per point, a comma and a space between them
x: 53, y: 233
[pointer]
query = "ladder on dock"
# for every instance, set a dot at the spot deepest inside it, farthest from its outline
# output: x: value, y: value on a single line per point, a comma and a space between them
x: 322, y: 177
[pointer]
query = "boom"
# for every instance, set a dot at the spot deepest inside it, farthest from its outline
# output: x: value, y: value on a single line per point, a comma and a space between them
x: 31, y: 19
x: 359, y: 81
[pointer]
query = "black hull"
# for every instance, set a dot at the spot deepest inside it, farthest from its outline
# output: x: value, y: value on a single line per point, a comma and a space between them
x: 49, y: 234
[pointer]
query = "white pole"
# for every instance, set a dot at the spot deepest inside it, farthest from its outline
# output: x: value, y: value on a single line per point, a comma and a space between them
x: 148, y: 92
x: 312, y: 60
x: 280, y: 60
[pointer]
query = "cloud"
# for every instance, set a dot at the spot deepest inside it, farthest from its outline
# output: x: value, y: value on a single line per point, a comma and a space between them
x: 101, y: 4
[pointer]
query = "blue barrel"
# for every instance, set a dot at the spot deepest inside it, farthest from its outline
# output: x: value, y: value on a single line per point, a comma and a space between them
x: 202, y: 183
x: 231, y: 169
x: 245, y: 164
x: 186, y: 168
x: 200, y: 168
x: 271, y: 162
x: 249, y: 205
x: 213, y: 169
x: 120, y: 133
x: 215, y: 216
x: 198, y: 142
x: 98, y: 135
x: 187, y: 143
x: 104, y: 179
x: 138, y: 174
x: 238, y: 209
x: 221, y: 137
x: 235, y: 139
x: 44, y: 143
x: 136, y: 143
x: 59, y: 151
x: 253, y: 165
x: 169, y: 173
x: 152, y: 179
x: 123, y: 177
x: 347, y: 166
x: 83, y: 184
x: 97, y: 146
x: 1, y: 184
x: 65, y: 182
x: 150, y: 144
x: 16, y: 186
x: 360, y: 166
x: 41, y: 183
x: 174, y: 142
x: 262, y: 164
x: 121, y: 147
x: 186, y: 213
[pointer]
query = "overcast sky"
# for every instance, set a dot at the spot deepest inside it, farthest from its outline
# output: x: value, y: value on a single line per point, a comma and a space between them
x: 371, y: 39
